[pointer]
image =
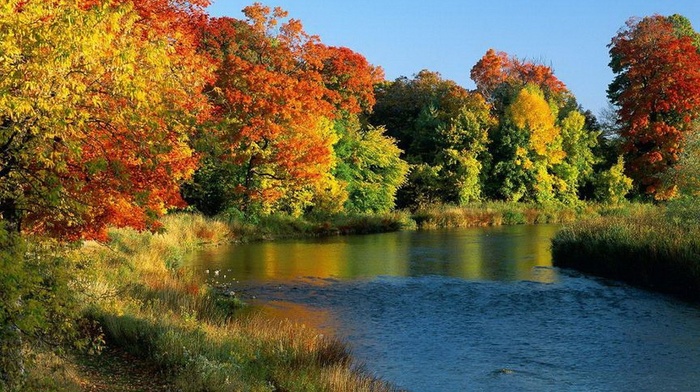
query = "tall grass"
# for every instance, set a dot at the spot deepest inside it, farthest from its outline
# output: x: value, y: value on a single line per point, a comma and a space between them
x: 643, y: 247
x: 495, y: 213
x: 285, y: 226
x: 146, y: 302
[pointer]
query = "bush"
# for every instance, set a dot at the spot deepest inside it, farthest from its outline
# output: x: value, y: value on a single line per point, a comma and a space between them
x: 37, y: 304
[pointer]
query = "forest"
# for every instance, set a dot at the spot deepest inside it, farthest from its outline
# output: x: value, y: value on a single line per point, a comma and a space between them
x: 116, y: 113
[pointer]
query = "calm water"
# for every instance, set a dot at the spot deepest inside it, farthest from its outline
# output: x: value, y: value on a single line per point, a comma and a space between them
x: 470, y: 310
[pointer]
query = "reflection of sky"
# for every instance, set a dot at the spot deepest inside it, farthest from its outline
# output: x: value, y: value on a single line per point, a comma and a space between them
x: 501, y: 253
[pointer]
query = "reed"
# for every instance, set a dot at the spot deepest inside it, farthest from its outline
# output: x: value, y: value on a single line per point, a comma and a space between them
x: 495, y: 213
x: 313, y: 225
x: 642, y: 247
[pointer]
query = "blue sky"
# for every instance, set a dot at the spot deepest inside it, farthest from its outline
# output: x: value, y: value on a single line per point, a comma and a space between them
x: 450, y: 36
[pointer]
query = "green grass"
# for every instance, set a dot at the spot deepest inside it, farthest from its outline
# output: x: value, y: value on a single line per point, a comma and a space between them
x: 285, y: 226
x: 642, y: 246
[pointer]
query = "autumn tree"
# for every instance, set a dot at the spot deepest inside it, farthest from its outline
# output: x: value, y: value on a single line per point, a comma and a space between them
x: 95, y: 114
x: 272, y: 125
x: 542, y: 147
x: 442, y: 129
x: 280, y: 96
x: 657, y: 94
x: 497, y: 74
x: 97, y: 99
x: 529, y: 146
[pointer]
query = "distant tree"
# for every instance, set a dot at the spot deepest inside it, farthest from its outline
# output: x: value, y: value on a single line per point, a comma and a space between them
x: 369, y: 164
x: 612, y: 185
x: 657, y: 94
x: 442, y: 129
x: 497, y: 71
x: 683, y: 182
x: 542, y: 148
x: 577, y: 167
x: 529, y: 147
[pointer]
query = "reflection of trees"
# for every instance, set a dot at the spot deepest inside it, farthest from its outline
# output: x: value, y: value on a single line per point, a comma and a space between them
x: 338, y: 257
x: 497, y: 253
x: 318, y: 319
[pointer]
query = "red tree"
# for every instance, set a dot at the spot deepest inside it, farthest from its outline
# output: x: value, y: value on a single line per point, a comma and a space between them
x: 657, y: 92
x: 97, y: 114
x: 497, y: 68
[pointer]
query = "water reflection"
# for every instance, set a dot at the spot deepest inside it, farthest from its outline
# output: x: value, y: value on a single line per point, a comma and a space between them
x: 464, y: 310
x: 499, y: 253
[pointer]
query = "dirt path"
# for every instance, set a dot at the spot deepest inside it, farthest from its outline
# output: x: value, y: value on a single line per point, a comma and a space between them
x: 116, y: 370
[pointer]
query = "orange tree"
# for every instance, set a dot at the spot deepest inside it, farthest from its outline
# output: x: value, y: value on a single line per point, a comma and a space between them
x: 281, y: 99
x: 95, y: 112
x: 657, y: 94
x: 270, y: 137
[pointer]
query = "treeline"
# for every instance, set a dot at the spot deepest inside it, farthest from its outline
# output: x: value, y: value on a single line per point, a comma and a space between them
x: 114, y: 112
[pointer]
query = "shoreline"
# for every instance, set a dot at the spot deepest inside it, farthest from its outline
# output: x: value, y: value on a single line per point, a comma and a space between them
x: 646, y: 250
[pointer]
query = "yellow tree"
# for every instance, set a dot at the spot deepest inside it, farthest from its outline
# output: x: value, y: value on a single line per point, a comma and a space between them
x: 535, y: 144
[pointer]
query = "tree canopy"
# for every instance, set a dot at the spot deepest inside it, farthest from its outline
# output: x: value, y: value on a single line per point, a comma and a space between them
x: 657, y: 94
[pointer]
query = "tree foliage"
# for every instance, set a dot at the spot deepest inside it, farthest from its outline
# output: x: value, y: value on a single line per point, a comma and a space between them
x: 276, y: 95
x: 94, y: 115
x: 657, y: 93
x: 442, y: 129
x: 497, y: 70
x: 369, y: 163
x: 541, y: 149
x: 613, y: 185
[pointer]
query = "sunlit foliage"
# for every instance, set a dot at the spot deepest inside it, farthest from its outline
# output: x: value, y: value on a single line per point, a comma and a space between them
x: 442, y: 129
x: 657, y: 93
x: 95, y: 112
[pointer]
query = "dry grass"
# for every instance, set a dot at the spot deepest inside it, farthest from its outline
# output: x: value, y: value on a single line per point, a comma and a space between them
x: 495, y: 214
x: 641, y: 246
x: 148, y: 304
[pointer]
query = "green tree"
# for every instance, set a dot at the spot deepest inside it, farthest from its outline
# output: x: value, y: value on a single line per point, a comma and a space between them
x: 612, y: 185
x: 529, y: 147
x: 577, y: 167
x: 369, y: 163
x: 443, y: 130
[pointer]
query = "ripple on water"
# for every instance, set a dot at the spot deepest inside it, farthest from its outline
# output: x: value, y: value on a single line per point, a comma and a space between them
x: 576, y: 334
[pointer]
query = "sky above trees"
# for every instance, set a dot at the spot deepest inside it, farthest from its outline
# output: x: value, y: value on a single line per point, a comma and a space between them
x: 450, y: 36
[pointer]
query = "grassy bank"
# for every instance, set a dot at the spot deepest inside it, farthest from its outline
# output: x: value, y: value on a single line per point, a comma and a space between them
x: 138, y: 297
x: 284, y: 226
x: 496, y: 213
x: 642, y: 246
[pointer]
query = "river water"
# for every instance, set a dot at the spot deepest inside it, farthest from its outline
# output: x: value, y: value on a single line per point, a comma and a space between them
x: 469, y: 310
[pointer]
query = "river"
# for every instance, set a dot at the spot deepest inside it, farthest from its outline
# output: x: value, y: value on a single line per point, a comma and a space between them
x: 477, y: 309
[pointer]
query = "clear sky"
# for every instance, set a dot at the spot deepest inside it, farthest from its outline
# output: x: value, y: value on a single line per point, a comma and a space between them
x: 450, y: 36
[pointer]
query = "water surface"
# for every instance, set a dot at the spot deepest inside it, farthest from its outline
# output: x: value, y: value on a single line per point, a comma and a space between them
x: 470, y: 310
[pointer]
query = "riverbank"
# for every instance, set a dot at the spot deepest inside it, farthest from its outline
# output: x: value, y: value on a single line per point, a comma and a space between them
x: 140, y: 299
x: 643, y: 246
